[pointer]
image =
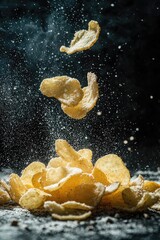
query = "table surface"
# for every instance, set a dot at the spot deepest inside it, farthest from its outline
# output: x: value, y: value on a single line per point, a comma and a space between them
x: 17, y: 223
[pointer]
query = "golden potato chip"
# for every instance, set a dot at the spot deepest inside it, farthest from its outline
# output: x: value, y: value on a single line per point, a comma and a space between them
x: 114, y: 200
x: 58, y: 162
x: 132, y: 195
x: 4, y: 185
x: 74, y: 216
x: 139, y: 181
x: 76, y: 205
x: 114, y: 168
x: 30, y: 171
x: 111, y: 188
x: 90, y: 97
x: 156, y: 205
x: 67, y: 152
x: 86, y: 153
x: 36, y: 180
x: 80, y: 188
x: 67, y: 211
x: 100, y: 176
x: 33, y: 199
x: 56, y: 177
x: 66, y: 89
x: 17, y: 188
x: 150, y: 186
x: 83, y: 39
x: 54, y: 207
x: 4, y: 196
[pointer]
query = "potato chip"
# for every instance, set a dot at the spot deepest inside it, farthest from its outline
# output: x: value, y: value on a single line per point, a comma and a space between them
x: 150, y: 186
x: 83, y: 39
x: 58, y: 162
x: 4, y: 185
x: 67, y: 152
x: 88, y: 101
x: 156, y: 206
x: 56, y: 177
x: 68, y: 210
x: 76, y: 205
x: 139, y: 182
x: 66, y: 89
x: 4, y: 196
x: 33, y: 199
x: 36, y: 180
x: 17, y: 188
x: 111, y: 188
x: 100, y: 176
x: 76, y: 216
x: 86, y: 153
x: 114, y: 168
x: 30, y: 171
x: 54, y: 207
x: 114, y: 200
x: 132, y: 195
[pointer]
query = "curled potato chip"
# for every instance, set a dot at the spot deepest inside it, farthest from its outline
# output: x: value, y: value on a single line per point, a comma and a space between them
x: 81, y: 188
x: 56, y: 177
x: 150, y: 186
x: 156, y: 205
x: 33, y: 199
x: 30, y: 171
x: 139, y: 182
x: 68, y: 210
x: 66, y: 89
x: 100, y: 176
x: 17, y: 188
x: 74, y: 216
x: 58, y: 162
x: 83, y: 39
x: 114, y: 168
x: 88, y: 101
x: 86, y: 153
x: 132, y: 195
x: 111, y: 188
x: 114, y: 200
x: 4, y: 196
x: 67, y: 152
x: 36, y: 180
x: 76, y: 205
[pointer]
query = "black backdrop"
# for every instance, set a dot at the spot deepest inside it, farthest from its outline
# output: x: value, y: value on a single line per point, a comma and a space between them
x: 126, y: 60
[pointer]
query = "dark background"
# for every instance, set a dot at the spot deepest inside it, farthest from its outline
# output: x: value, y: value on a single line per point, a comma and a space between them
x: 125, y: 59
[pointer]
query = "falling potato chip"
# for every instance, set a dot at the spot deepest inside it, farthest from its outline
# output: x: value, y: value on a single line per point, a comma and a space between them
x: 66, y: 89
x: 30, y: 171
x: 83, y: 39
x: 76, y: 216
x: 67, y: 152
x: 17, y: 188
x: 114, y: 168
x: 150, y: 186
x: 58, y: 162
x: 4, y: 196
x: 88, y: 101
x: 33, y: 199
x: 56, y: 177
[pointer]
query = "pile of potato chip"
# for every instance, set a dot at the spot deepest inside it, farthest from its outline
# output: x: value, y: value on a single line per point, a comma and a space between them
x: 70, y: 187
